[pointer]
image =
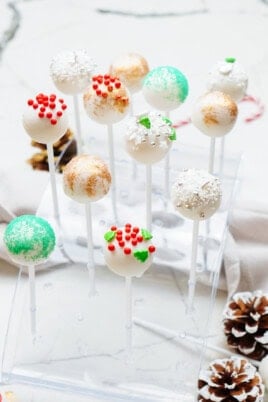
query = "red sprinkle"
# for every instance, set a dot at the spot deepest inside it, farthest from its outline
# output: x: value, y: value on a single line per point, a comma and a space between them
x: 119, y: 237
x: 110, y: 88
x: 98, y: 92
x: 41, y: 115
x: 127, y: 250
x: 140, y: 239
x: 35, y: 105
x: 121, y: 243
x: 128, y: 225
x: 128, y: 229
x: 127, y: 237
x: 52, y: 105
x: 119, y: 232
x: 134, y: 242
x: 106, y: 82
x: 59, y: 113
x: 95, y: 86
x: 151, y: 249
x: 104, y: 94
x: 53, y: 122
x: 136, y: 229
x: 61, y: 100
x: 64, y: 107
x: 49, y: 115
x: 117, y: 85
x: 112, y: 79
x: 106, y: 76
x: 111, y: 247
x: 133, y: 235
x: 113, y: 228
x: 42, y: 109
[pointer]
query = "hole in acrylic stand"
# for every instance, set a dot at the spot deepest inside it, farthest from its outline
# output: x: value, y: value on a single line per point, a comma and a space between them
x: 166, y: 219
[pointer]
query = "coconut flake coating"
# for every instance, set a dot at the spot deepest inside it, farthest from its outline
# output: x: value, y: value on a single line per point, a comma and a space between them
x: 149, y: 137
x: 86, y: 178
x: 165, y: 88
x: 233, y: 379
x: 131, y: 68
x: 106, y: 100
x: 196, y: 194
x: 29, y: 240
x: 230, y: 78
x: 71, y: 71
x: 214, y: 114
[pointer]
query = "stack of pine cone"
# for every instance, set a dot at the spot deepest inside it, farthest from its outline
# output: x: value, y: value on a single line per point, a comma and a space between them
x: 64, y: 150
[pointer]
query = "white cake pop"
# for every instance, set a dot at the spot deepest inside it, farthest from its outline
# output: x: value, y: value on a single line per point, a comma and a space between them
x: 165, y: 88
x: 214, y: 114
x: 128, y: 250
x: 86, y: 178
x: 149, y: 137
x: 130, y: 68
x: 71, y: 71
x: 228, y: 77
x: 106, y: 100
x: 196, y: 194
x: 45, y: 119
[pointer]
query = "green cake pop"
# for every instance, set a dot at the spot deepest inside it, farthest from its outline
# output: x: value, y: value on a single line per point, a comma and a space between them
x: 165, y: 88
x: 29, y: 240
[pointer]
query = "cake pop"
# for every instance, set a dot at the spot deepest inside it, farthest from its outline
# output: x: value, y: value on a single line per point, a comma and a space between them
x: 196, y: 194
x: 106, y: 100
x: 130, y: 68
x: 45, y: 119
x: 128, y: 252
x: 228, y: 77
x: 214, y: 114
x: 71, y: 71
x: 165, y: 88
x: 29, y: 241
x: 148, y: 139
x: 86, y: 179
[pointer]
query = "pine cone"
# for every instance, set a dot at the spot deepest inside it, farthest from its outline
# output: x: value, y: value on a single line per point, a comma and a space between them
x: 245, y: 321
x: 230, y: 380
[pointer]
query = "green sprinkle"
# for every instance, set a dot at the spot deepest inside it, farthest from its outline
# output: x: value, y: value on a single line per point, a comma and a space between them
x: 166, y: 120
x: 109, y: 236
x: 29, y: 239
x: 145, y: 121
x: 230, y: 60
x: 141, y: 255
x: 146, y: 234
x: 173, y: 135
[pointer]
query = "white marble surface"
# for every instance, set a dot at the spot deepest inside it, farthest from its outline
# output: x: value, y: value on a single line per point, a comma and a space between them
x: 192, y: 41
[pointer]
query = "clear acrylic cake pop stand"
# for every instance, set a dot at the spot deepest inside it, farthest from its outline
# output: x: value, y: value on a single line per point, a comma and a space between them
x: 80, y: 343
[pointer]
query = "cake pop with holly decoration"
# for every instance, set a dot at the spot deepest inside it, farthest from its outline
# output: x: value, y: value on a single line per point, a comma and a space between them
x: 106, y: 100
x: 128, y: 250
x: 45, y: 118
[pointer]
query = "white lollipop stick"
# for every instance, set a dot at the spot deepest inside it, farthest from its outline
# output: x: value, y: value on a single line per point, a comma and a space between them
x: 90, y: 248
x: 134, y: 163
x: 112, y: 168
x: 129, y: 318
x: 190, y: 338
x: 167, y: 168
x: 222, y: 153
x: 51, y: 165
x: 31, y: 272
x: 211, y: 155
x: 192, y: 277
x: 149, y: 197
x: 78, y: 125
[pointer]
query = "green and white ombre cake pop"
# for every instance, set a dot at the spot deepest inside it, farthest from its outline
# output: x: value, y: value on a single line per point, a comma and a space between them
x: 165, y: 88
x: 29, y: 240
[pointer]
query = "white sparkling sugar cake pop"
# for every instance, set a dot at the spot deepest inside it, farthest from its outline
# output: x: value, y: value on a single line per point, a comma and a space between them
x: 29, y: 240
x: 149, y: 137
x: 128, y: 250
x: 106, y: 100
x: 71, y: 71
x: 45, y: 118
x: 214, y: 114
x: 86, y: 178
x: 165, y: 88
x: 196, y: 194
x: 228, y: 77
x: 130, y: 68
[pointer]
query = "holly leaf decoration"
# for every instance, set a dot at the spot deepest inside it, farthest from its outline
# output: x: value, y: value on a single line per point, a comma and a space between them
x: 146, y: 234
x: 141, y: 255
x: 167, y: 120
x: 173, y: 135
x: 145, y: 121
x: 230, y: 59
x: 109, y: 236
